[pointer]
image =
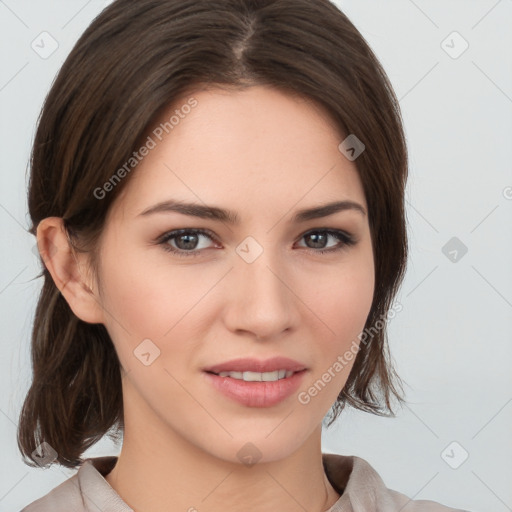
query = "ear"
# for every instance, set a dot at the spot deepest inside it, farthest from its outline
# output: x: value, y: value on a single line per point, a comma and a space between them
x: 67, y: 267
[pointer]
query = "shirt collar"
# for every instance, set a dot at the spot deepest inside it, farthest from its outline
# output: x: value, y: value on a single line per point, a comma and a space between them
x: 360, y: 486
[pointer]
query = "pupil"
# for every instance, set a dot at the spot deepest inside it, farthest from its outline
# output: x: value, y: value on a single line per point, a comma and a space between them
x: 190, y: 243
x: 318, y: 236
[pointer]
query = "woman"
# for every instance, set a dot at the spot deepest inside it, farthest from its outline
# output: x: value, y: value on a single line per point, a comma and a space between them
x: 217, y: 194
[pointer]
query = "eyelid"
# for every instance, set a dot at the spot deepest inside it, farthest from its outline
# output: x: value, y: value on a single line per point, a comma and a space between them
x: 174, y: 233
x: 341, y: 234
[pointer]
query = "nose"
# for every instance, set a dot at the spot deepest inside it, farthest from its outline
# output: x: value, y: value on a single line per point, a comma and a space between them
x: 261, y: 299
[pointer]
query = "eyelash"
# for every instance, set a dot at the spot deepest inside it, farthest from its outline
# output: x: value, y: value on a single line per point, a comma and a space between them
x: 345, y: 239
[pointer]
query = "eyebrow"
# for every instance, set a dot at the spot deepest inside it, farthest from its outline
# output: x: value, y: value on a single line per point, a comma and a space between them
x: 231, y: 217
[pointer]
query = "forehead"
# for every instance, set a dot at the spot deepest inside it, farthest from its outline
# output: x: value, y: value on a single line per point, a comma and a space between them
x: 257, y: 146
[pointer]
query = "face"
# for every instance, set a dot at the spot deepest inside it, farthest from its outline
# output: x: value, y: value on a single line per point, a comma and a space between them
x: 185, y: 293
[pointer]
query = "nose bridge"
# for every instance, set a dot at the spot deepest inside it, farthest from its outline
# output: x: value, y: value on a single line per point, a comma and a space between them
x: 262, y: 302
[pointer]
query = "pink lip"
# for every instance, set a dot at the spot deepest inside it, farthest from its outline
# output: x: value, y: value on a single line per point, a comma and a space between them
x: 256, y: 394
x: 256, y: 365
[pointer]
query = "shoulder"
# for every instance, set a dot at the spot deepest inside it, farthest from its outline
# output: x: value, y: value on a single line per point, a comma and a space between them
x: 362, y: 488
x: 405, y: 504
x: 62, y: 498
x: 85, y: 491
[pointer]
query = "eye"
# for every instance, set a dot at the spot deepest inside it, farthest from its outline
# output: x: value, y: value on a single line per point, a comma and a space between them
x: 319, y: 237
x: 186, y: 242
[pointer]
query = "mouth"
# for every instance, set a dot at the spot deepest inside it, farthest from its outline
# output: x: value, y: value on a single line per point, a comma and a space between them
x: 249, y: 376
x: 257, y: 382
x: 252, y: 369
x: 256, y: 389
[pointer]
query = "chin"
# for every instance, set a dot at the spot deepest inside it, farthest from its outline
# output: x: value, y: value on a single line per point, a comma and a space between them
x: 258, y: 444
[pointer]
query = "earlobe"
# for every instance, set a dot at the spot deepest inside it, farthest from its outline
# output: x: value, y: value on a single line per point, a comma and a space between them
x: 66, y: 268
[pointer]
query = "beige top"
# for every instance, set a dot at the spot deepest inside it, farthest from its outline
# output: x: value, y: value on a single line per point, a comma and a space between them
x: 360, y: 487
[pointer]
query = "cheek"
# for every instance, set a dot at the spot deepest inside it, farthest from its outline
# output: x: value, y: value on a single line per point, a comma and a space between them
x: 156, y: 303
x: 149, y: 300
x: 344, y: 297
x: 342, y: 304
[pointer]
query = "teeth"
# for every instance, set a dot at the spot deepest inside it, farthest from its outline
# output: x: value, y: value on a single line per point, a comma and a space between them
x: 257, y: 376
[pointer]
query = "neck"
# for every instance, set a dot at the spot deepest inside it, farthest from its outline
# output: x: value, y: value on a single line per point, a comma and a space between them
x: 151, y: 474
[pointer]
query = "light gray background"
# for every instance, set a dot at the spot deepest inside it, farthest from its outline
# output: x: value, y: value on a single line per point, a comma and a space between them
x: 452, y: 340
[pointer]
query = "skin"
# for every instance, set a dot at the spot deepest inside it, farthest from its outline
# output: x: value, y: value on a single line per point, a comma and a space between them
x: 264, y: 154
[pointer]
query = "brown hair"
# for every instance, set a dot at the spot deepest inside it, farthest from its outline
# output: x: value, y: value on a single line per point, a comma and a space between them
x: 133, y: 61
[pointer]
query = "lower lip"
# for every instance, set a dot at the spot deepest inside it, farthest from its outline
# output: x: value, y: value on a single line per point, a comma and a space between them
x: 257, y: 394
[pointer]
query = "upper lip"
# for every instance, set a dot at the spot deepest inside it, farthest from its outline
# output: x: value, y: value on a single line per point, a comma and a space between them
x: 257, y: 365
